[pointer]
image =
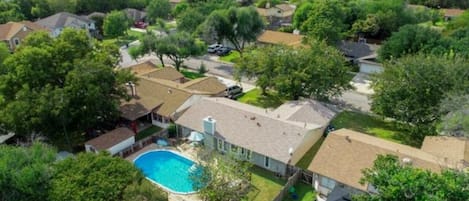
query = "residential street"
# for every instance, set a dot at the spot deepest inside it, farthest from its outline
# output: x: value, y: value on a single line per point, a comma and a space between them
x: 353, y: 99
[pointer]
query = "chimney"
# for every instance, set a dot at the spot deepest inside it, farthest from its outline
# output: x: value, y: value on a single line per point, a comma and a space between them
x: 209, y: 125
x: 134, y: 89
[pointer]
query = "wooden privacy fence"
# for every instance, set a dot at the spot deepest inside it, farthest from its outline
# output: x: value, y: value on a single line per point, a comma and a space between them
x: 291, y: 181
x: 142, y: 143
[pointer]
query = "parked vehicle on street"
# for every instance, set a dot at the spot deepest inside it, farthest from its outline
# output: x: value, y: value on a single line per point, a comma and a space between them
x: 213, y: 48
x: 223, y: 51
x: 232, y: 92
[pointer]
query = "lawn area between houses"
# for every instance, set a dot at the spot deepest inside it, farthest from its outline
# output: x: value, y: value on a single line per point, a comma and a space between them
x: 254, y: 97
x: 371, y: 125
x: 232, y: 57
x: 147, y: 132
x: 123, y: 40
x: 304, y: 191
x: 309, y: 155
x: 265, y: 185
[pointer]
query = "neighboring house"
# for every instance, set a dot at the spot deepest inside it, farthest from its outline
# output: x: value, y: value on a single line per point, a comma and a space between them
x: 113, y: 141
x: 162, y: 94
x: 57, y: 22
x: 96, y: 14
x: 135, y: 15
x: 277, y: 38
x: 451, y: 13
x: 274, y: 140
x: 337, y: 166
x: 363, y: 54
x: 5, y: 137
x: 13, y: 33
x: 278, y: 15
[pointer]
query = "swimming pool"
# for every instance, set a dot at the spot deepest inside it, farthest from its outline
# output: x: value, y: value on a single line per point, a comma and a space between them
x: 168, y: 169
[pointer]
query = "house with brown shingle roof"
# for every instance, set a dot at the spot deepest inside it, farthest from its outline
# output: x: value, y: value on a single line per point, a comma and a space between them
x: 59, y: 21
x: 162, y: 94
x: 113, y: 141
x: 280, y: 38
x: 337, y: 166
x: 13, y: 33
x: 265, y: 138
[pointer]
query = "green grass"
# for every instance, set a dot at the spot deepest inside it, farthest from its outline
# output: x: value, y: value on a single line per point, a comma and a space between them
x: 265, y: 185
x: 233, y: 57
x: 122, y: 40
x: 370, y: 125
x: 191, y: 74
x: 304, y: 191
x: 309, y: 155
x: 147, y: 132
x: 254, y: 97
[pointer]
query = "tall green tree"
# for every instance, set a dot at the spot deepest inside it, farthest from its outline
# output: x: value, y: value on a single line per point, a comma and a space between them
x: 91, y: 176
x: 63, y: 85
x: 180, y: 46
x: 4, y: 53
x: 116, y: 23
x: 238, y: 26
x: 397, y: 181
x: 318, y: 71
x: 9, y: 11
x: 325, y: 21
x: 411, y: 89
x: 189, y: 20
x: 411, y: 39
x: 158, y: 9
x: 222, y: 178
x: 62, y: 5
x: 25, y: 172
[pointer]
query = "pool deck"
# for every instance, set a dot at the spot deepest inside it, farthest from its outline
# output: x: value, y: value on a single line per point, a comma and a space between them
x: 185, y: 150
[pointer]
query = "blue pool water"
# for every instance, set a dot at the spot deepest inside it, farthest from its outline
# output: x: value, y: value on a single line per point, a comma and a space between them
x: 167, y: 169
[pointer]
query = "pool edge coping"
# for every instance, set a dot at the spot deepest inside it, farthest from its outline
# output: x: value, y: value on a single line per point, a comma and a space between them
x: 160, y: 185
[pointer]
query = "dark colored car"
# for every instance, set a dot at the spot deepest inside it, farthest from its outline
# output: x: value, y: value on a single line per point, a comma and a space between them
x: 140, y: 25
x: 223, y: 51
x: 213, y: 48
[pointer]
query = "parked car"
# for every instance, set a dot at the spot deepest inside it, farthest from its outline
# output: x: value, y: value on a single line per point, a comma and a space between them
x: 233, y: 92
x: 223, y: 51
x: 140, y: 25
x: 213, y: 48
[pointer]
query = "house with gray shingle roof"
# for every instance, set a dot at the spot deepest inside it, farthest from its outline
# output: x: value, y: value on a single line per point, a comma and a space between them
x: 274, y: 140
x: 57, y: 22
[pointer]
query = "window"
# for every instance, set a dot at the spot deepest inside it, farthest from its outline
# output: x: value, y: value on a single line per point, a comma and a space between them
x: 225, y: 146
x: 220, y: 144
x: 248, y: 154
x: 234, y: 148
x: 267, y: 161
x: 17, y: 41
x: 243, y: 152
x: 327, y: 183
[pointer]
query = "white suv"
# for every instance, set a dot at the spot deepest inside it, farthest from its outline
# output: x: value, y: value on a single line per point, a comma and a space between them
x: 233, y: 92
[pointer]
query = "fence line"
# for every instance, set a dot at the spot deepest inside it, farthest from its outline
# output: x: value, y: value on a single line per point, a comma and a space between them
x: 142, y: 143
x: 291, y: 181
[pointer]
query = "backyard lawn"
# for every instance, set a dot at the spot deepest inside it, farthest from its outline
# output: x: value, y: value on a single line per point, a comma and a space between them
x: 254, y: 97
x: 304, y: 191
x: 123, y: 40
x: 309, y: 155
x: 191, y: 74
x: 265, y: 185
x: 147, y: 132
x: 369, y: 124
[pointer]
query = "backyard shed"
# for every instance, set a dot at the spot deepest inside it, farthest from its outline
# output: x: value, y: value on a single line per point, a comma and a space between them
x: 113, y: 141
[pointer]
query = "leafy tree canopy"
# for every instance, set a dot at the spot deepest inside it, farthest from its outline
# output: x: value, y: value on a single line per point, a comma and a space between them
x: 9, y: 11
x: 158, y: 9
x: 317, y: 71
x: 411, y: 89
x: 239, y: 26
x: 397, y: 181
x: 25, y: 172
x: 66, y: 84
x: 116, y: 24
